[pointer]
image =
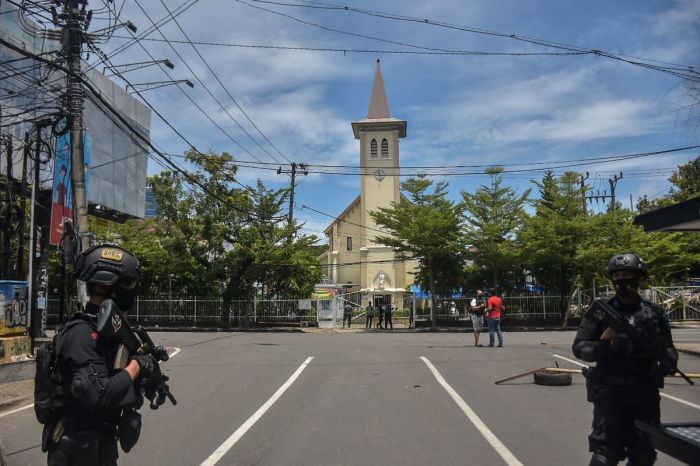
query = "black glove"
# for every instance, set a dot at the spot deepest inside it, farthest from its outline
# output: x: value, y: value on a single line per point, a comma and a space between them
x: 146, y: 365
x: 622, y: 345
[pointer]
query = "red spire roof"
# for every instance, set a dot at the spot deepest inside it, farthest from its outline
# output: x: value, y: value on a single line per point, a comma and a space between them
x: 378, y: 103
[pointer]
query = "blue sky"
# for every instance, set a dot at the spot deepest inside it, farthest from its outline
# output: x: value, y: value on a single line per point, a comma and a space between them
x: 461, y: 110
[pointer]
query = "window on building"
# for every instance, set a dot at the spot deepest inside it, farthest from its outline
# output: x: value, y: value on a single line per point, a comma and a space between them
x: 373, y: 148
x: 349, y: 243
x: 385, y: 148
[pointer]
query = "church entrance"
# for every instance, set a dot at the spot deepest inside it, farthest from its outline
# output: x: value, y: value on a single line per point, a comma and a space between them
x: 381, y: 300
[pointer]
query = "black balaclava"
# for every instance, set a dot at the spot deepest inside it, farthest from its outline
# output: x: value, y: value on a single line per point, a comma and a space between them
x: 627, y: 287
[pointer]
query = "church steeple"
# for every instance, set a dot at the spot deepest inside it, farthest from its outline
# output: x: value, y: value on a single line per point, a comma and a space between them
x: 378, y: 115
x: 378, y: 103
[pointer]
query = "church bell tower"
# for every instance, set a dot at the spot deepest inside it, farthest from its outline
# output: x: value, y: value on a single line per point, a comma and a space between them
x: 379, y: 136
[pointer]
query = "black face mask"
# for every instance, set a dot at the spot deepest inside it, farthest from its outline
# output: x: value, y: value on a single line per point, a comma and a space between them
x: 626, y: 287
x: 124, y: 300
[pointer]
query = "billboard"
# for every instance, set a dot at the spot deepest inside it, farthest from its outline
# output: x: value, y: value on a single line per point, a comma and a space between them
x: 62, y: 191
x: 119, y: 156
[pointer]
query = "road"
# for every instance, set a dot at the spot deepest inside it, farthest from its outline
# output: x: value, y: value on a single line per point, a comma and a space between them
x: 364, y: 398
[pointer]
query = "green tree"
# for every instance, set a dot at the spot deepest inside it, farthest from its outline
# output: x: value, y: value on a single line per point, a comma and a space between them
x: 685, y: 184
x: 428, y: 228
x: 550, y: 238
x: 494, y: 215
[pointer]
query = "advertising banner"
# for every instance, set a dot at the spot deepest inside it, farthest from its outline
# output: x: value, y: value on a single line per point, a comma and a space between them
x: 62, y: 193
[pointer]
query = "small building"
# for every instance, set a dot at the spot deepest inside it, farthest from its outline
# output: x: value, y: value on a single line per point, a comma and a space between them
x: 354, y: 259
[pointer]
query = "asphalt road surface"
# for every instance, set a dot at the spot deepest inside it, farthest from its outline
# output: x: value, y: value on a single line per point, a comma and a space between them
x: 364, y: 399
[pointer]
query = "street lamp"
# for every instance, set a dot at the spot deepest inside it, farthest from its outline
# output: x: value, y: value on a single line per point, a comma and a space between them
x: 157, y: 84
x: 126, y: 67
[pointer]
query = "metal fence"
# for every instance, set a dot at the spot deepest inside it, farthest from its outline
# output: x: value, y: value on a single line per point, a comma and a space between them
x: 526, y: 308
x: 206, y: 311
x: 681, y: 303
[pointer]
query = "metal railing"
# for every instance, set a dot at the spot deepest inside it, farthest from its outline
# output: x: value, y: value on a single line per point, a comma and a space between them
x: 681, y: 303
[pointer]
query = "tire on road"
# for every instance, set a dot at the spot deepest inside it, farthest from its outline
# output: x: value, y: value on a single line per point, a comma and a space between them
x: 552, y: 379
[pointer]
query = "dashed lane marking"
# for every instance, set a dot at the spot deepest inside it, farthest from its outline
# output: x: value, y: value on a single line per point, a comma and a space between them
x: 490, y: 437
x: 665, y: 395
x: 241, y: 431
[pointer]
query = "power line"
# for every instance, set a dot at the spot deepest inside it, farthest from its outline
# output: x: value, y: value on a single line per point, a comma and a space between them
x: 206, y: 88
x: 133, y: 39
x: 115, y: 113
x: 225, y: 89
x: 372, y: 51
x: 682, y: 71
x: 549, y: 163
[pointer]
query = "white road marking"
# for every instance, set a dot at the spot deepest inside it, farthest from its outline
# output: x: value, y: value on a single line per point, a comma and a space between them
x: 240, y: 432
x: 16, y: 410
x: 490, y: 437
x: 177, y: 350
x: 665, y: 395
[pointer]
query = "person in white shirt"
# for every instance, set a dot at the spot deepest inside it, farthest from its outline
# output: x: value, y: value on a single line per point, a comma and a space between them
x: 476, y: 313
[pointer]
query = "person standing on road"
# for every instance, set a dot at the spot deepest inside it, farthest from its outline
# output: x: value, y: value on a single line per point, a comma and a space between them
x: 370, y: 315
x: 495, y: 309
x: 380, y: 315
x: 387, y: 316
x: 624, y: 384
x: 347, y: 314
x: 476, y: 314
x: 99, y: 402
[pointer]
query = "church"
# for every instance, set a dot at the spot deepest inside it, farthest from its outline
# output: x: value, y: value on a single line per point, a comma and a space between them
x: 363, y: 267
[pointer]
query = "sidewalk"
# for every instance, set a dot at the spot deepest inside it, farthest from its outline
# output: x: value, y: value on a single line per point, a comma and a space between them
x: 16, y: 393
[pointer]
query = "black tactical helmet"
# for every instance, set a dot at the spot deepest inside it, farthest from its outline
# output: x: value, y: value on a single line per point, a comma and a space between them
x: 627, y: 261
x: 108, y: 264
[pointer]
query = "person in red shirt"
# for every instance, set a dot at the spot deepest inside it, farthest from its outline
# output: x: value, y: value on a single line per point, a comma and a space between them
x: 494, y: 307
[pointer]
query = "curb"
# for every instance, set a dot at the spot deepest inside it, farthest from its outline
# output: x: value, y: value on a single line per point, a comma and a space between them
x: 4, y: 405
x: 689, y: 351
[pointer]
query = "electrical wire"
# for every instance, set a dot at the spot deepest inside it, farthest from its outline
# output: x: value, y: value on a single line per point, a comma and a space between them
x: 365, y: 51
x: 676, y: 69
x: 206, y: 88
x: 225, y: 89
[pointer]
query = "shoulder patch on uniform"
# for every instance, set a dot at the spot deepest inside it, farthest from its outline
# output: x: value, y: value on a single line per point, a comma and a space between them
x: 598, y: 314
x: 112, y: 254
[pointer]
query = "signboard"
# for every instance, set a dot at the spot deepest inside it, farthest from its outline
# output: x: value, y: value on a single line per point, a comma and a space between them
x: 62, y: 192
x: 304, y: 304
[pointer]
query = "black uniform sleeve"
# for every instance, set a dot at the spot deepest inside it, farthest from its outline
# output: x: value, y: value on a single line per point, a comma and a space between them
x: 587, y: 344
x: 92, y: 384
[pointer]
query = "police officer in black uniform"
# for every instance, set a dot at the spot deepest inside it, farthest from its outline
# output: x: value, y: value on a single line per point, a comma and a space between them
x: 624, y: 384
x: 100, y: 401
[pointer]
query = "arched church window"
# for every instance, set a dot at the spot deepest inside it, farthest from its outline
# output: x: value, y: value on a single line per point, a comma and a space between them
x: 385, y: 148
x: 373, y: 148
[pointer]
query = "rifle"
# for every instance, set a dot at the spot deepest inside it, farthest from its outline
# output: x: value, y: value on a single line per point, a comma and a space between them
x: 645, y: 338
x: 112, y: 324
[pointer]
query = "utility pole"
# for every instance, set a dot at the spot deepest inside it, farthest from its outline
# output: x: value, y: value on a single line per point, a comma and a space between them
x: 37, y: 239
x: 582, y: 181
x: 7, y: 233
x: 22, y: 204
x: 613, y: 184
x: 293, y: 172
x: 75, y: 21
